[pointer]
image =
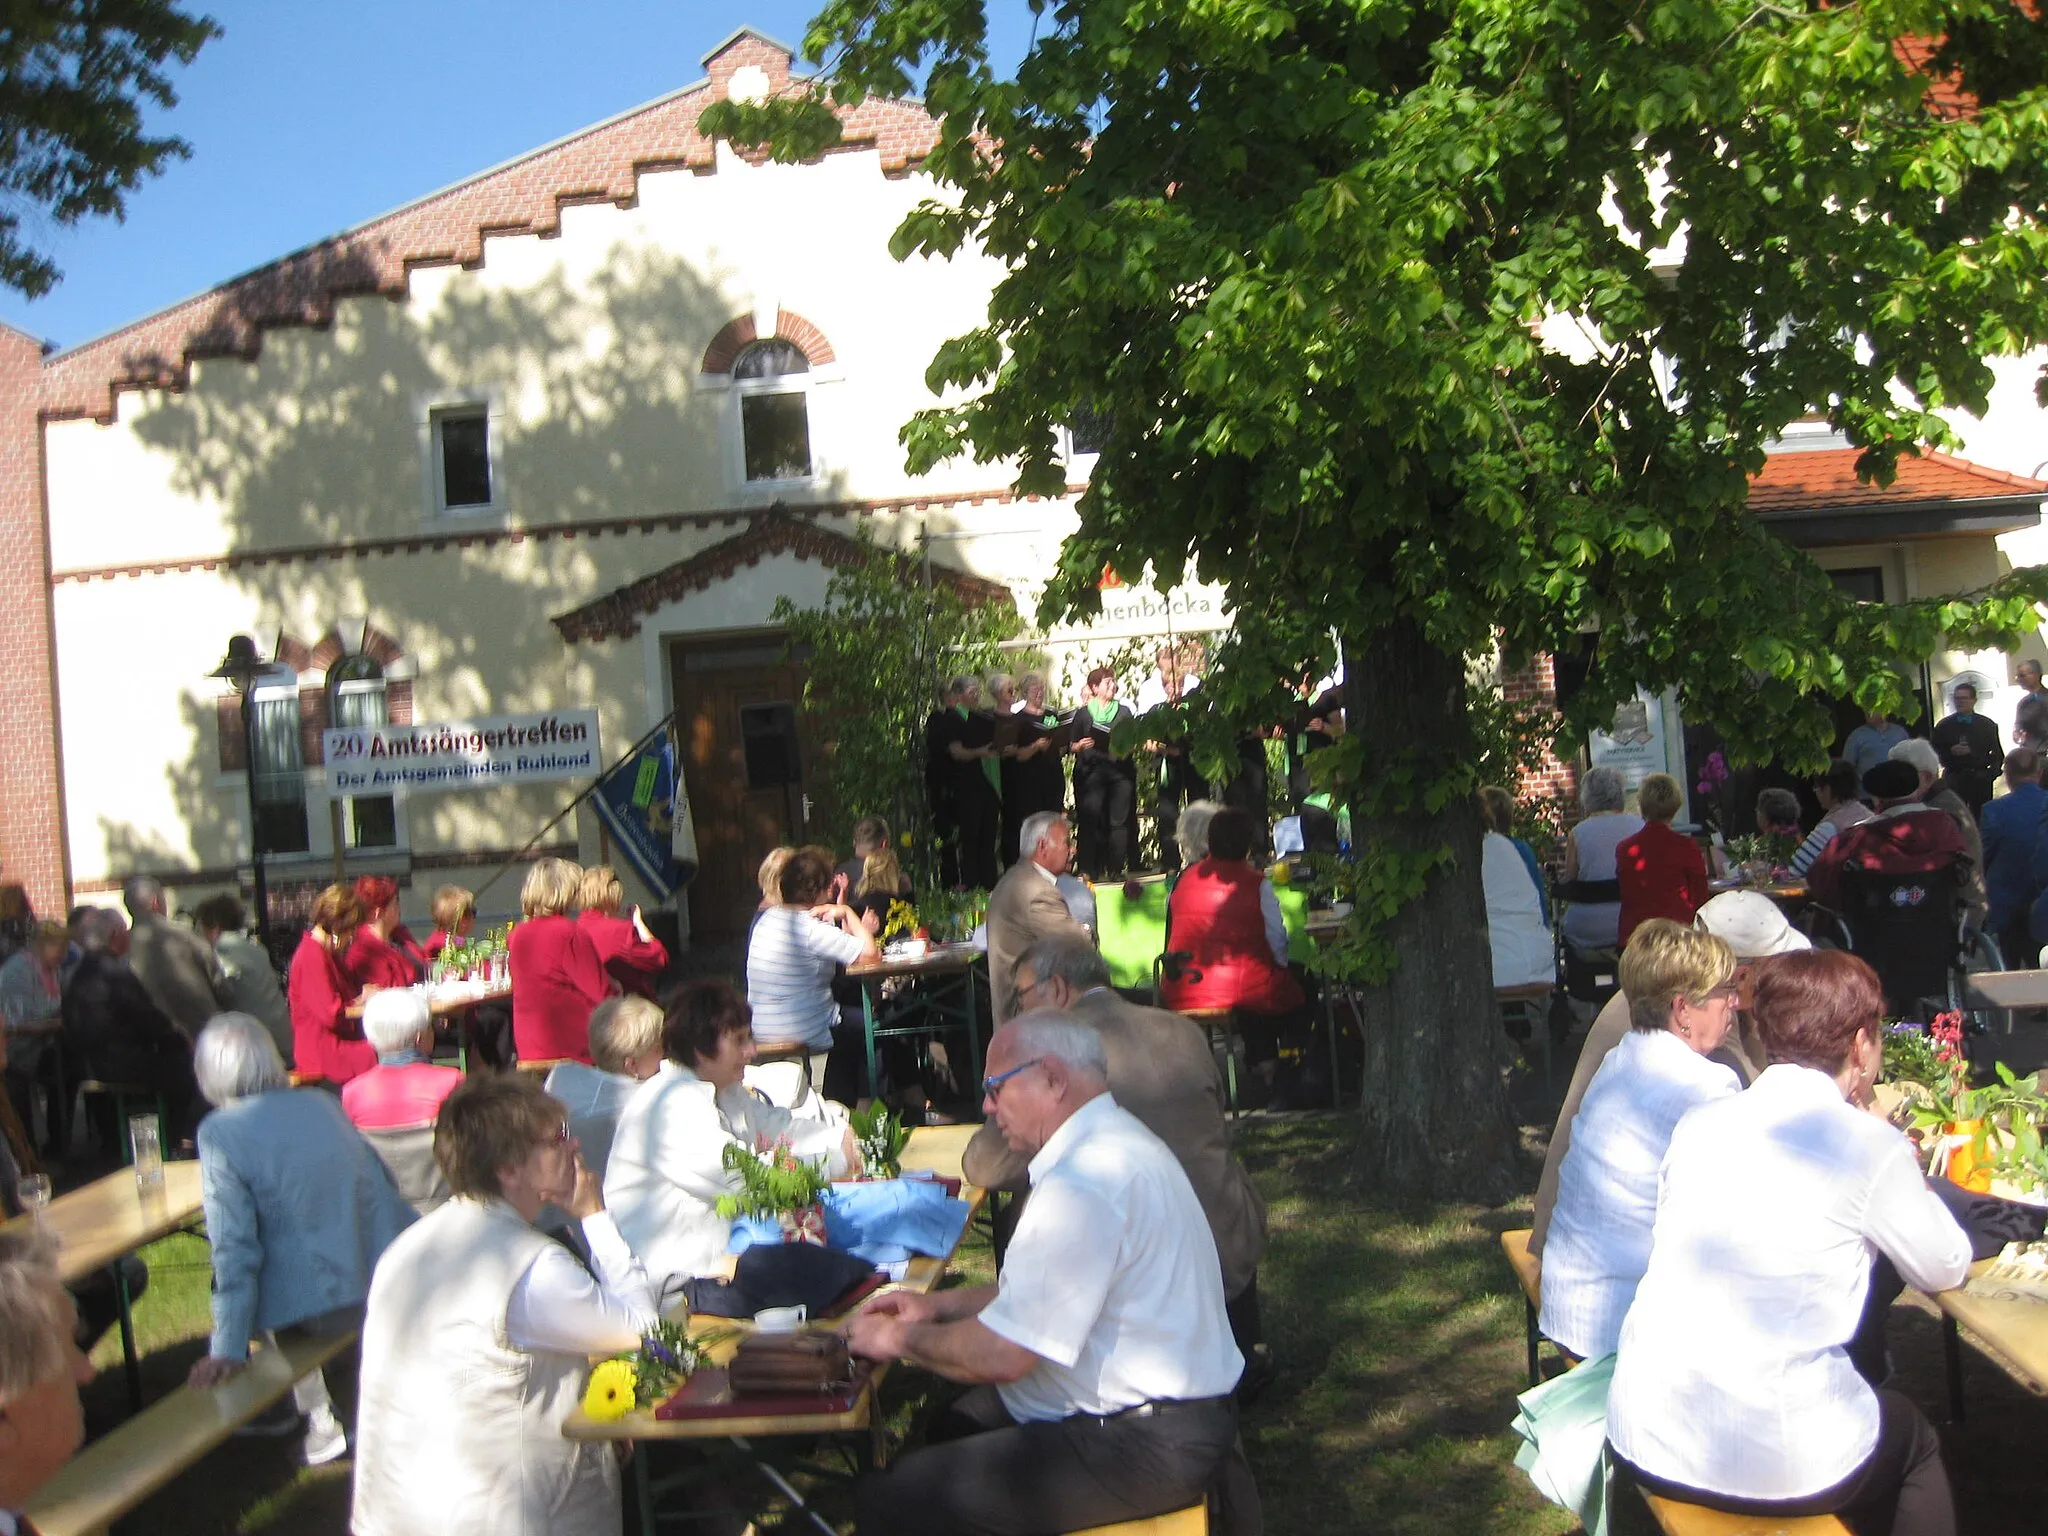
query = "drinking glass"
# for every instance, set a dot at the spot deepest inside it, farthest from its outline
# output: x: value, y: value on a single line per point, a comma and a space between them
x: 34, y: 1193
x: 148, y: 1153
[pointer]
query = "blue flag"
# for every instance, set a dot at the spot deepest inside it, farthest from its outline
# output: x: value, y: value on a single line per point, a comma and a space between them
x: 637, y: 800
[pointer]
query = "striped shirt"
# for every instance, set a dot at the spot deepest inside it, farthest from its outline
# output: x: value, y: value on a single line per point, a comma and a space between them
x: 790, y: 961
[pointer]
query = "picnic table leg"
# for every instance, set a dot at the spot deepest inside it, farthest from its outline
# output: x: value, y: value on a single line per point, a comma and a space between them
x: 789, y: 1490
x: 1529, y: 1315
x: 974, y: 1062
x: 1952, y: 1357
x: 130, y: 1366
x: 1330, y: 1028
x: 643, y: 1489
x: 867, y: 1021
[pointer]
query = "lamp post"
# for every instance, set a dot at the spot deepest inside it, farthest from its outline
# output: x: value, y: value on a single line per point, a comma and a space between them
x: 240, y: 668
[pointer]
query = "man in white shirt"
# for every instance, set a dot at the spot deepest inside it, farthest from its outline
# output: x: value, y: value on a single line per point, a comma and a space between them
x: 1101, y: 1360
x: 41, y: 1370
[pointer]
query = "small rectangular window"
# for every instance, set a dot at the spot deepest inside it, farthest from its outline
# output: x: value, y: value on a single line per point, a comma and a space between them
x: 768, y: 739
x: 462, y: 442
x: 1087, y: 431
x: 368, y: 821
x: 280, y: 770
x: 1860, y: 583
x: 776, y: 430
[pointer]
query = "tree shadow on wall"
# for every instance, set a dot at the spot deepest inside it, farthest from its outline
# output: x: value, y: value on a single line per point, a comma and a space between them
x: 323, y: 440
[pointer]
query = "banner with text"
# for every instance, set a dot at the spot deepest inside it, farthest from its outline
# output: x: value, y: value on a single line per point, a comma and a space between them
x: 462, y: 754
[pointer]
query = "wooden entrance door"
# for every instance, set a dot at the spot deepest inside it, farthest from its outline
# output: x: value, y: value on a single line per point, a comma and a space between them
x: 745, y: 748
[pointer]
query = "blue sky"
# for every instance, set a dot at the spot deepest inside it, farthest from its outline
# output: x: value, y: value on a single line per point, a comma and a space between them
x: 307, y: 118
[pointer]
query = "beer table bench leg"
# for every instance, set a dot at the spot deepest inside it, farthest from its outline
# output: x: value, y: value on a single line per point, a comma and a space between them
x: 789, y: 1490
x: 1952, y: 1357
x: 131, y: 1367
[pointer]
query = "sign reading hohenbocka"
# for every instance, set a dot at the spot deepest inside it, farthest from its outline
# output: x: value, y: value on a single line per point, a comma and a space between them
x: 462, y: 754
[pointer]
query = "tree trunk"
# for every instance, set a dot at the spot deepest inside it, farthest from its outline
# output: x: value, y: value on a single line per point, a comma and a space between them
x: 1436, y: 1111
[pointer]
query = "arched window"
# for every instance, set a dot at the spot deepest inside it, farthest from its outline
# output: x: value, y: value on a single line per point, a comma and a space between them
x: 356, y: 699
x: 278, y: 762
x: 772, y: 380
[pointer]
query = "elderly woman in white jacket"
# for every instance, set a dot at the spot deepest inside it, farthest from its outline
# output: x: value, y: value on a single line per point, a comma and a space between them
x: 1680, y: 985
x: 667, y: 1166
x: 1734, y: 1387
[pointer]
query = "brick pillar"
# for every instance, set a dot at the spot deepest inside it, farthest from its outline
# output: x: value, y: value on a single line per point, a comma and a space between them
x: 31, y: 776
x: 1536, y: 682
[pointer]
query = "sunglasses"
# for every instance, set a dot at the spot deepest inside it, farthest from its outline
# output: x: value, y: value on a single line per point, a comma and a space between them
x: 992, y: 1086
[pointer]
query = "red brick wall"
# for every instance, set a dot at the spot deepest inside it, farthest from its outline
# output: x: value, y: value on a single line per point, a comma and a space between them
x: 1536, y: 683
x: 31, y: 795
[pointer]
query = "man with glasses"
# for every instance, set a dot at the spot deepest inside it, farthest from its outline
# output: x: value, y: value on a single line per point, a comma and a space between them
x: 1100, y: 1363
x: 1162, y: 1072
x: 1026, y: 905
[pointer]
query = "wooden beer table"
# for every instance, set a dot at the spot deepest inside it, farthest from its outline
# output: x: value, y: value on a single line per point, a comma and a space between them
x: 99, y: 1224
x: 932, y: 1149
x: 945, y: 1000
x: 2009, y: 1332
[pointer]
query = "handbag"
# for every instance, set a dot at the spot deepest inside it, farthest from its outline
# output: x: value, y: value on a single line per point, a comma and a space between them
x: 790, y: 1364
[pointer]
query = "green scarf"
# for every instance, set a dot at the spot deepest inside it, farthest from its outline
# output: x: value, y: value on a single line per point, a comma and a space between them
x: 990, y: 768
x: 1101, y: 712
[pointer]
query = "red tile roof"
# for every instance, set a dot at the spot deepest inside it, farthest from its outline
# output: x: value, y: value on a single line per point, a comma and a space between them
x: 1824, y: 479
x: 601, y: 164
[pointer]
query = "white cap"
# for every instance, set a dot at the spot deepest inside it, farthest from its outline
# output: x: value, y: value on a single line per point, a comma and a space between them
x: 1750, y: 923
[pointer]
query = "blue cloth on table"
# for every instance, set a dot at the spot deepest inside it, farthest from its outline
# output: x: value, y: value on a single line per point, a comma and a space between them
x: 884, y: 1221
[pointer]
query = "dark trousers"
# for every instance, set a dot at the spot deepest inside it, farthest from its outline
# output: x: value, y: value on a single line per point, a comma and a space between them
x: 978, y: 819
x: 1178, y: 784
x: 1102, y: 806
x: 983, y: 1474
x: 1247, y: 791
x: 2016, y: 944
x: 1901, y: 1490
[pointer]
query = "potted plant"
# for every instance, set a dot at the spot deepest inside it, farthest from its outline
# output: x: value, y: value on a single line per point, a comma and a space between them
x: 776, y: 1184
x: 1976, y: 1132
x: 881, y: 1137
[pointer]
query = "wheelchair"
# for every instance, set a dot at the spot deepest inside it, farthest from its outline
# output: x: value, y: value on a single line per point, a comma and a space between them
x: 1915, y: 932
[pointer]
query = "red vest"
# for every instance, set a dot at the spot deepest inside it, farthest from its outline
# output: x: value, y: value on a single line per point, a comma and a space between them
x: 1214, y: 915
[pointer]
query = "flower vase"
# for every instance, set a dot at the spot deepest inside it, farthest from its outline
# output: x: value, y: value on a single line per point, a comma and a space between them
x: 1967, y: 1163
x: 804, y: 1226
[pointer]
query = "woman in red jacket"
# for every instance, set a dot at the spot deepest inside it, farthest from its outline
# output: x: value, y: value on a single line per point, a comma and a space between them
x: 374, y: 957
x: 326, y: 1042
x: 631, y: 956
x: 556, y: 975
x: 1224, y: 916
x: 1662, y: 872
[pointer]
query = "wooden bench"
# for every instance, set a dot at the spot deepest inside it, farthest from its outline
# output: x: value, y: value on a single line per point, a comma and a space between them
x: 543, y: 1067
x: 118, y: 1471
x: 1182, y: 1522
x: 1678, y: 1519
x: 1528, y: 1269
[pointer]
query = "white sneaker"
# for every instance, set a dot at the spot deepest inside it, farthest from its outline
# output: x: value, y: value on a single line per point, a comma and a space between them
x: 325, y: 1439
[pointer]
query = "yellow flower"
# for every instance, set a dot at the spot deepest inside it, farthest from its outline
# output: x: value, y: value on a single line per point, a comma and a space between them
x: 610, y: 1393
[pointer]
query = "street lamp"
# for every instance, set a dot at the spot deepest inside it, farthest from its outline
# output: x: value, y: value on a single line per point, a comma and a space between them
x: 240, y: 668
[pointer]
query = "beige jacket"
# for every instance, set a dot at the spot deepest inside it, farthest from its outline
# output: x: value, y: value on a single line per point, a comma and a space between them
x: 1161, y: 1071
x: 1024, y: 907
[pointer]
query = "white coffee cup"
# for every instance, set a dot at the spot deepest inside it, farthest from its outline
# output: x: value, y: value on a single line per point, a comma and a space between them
x: 779, y: 1319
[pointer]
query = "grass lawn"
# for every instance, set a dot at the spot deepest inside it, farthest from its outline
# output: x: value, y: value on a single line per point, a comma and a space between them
x: 1397, y: 1332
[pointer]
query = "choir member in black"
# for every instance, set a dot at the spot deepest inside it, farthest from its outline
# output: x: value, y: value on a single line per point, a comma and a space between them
x: 1318, y: 724
x: 1035, y: 778
x: 1179, y: 783
x: 1105, y: 787
x: 964, y: 740
x: 938, y: 786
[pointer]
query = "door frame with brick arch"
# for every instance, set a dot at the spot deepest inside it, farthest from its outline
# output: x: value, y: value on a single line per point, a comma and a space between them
x: 743, y: 803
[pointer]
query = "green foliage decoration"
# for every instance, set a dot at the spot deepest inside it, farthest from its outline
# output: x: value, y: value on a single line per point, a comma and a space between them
x: 773, y: 1182
x: 877, y: 653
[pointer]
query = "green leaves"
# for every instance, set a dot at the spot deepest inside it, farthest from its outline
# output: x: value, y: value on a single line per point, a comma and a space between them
x: 76, y: 77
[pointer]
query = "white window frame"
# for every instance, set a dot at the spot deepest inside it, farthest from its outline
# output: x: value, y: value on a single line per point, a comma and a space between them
x: 431, y: 409
x: 379, y: 685
x: 733, y: 427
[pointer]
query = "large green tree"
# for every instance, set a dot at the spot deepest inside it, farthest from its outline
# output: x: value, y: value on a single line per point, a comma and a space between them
x: 1311, y: 262
x: 76, y: 79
